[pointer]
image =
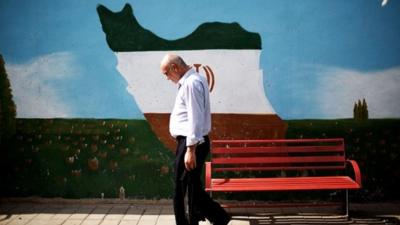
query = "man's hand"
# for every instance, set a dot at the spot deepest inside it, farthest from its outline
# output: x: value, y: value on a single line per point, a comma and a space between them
x: 190, y: 158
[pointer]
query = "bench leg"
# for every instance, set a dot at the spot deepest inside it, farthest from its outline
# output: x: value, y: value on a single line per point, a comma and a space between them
x: 346, y: 203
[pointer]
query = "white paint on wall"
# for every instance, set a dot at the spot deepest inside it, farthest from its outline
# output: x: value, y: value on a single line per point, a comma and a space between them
x: 238, y: 80
x: 33, y: 92
x: 339, y: 88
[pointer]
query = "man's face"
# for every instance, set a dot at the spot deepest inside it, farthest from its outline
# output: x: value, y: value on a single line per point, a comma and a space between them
x: 170, y: 71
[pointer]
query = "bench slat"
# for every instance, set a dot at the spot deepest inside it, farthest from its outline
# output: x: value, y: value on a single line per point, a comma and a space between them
x: 276, y: 168
x: 325, y: 140
x: 282, y: 184
x: 277, y: 149
x: 275, y: 160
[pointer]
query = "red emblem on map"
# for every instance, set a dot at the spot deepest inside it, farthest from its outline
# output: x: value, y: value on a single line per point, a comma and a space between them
x: 209, y: 75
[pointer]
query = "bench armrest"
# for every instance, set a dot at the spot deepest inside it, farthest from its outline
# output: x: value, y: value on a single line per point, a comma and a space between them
x: 357, y: 172
x: 208, y: 175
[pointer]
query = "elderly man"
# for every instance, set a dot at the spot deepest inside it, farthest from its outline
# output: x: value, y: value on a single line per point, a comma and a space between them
x: 190, y: 123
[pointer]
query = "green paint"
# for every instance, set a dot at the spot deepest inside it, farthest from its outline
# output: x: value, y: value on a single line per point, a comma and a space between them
x: 35, y: 161
x: 124, y: 33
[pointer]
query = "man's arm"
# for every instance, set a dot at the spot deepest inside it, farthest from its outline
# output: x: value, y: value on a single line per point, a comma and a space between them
x: 190, y: 157
x: 195, y: 103
x: 196, y: 108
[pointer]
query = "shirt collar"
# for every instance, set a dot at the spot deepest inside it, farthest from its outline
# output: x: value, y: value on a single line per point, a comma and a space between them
x: 185, y: 76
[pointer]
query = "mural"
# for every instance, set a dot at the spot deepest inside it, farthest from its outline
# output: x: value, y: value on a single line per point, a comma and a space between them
x: 240, y: 109
x: 90, y: 108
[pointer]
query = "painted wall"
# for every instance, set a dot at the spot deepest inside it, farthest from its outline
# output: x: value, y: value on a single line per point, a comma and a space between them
x: 317, y: 58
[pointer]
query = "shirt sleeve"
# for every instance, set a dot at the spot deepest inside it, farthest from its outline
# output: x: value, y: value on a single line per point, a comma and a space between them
x: 195, y: 101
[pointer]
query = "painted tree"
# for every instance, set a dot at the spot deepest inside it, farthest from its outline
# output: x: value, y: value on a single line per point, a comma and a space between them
x: 7, y: 105
x: 364, y: 111
x: 355, y: 110
x: 360, y: 110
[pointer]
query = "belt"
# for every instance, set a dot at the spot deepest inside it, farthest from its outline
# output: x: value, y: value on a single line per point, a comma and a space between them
x: 180, y: 137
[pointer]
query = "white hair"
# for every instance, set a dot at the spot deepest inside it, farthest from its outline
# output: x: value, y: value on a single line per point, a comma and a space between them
x: 172, y: 58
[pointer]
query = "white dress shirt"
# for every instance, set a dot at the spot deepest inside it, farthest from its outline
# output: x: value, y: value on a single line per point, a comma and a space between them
x: 191, y: 116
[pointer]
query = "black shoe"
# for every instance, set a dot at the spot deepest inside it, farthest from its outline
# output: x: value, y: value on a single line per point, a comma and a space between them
x: 195, y: 221
x: 196, y: 218
x: 224, y: 221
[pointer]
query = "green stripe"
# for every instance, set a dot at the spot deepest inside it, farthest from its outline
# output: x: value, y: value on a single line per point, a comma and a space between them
x: 124, y: 33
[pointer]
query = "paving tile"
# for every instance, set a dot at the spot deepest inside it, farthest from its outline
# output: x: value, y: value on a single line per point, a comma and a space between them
x: 83, y: 211
x: 18, y: 222
x: 96, y: 216
x: 56, y: 222
x: 150, y: 216
x: 119, y: 209
x: 44, y: 216
x: 8, y: 218
x: 91, y: 222
x: 166, y: 219
x: 65, y: 212
x: 167, y: 210
x: 132, y: 216
x: 50, y: 210
x: 87, y: 207
x: 44, y: 222
x: 166, y: 216
x: 78, y: 216
x: 133, y: 213
x: 152, y: 211
x: 4, y: 221
x: 129, y: 222
x: 110, y: 222
x: 99, y: 212
x: 27, y: 216
x: 114, y: 217
x: 61, y: 216
x: 117, y: 212
x: 73, y: 222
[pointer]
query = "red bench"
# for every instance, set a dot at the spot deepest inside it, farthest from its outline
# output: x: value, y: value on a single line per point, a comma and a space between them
x: 289, y: 155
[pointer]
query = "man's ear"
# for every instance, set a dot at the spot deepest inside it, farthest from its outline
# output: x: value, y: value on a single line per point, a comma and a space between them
x: 174, y: 67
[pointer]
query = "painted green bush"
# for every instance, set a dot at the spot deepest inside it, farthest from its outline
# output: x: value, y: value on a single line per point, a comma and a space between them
x: 82, y: 158
x: 374, y: 144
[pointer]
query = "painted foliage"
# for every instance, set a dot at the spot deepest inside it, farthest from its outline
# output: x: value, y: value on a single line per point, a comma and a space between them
x: 311, y: 59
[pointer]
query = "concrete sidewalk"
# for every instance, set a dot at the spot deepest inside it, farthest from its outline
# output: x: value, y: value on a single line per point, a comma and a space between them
x: 114, y: 212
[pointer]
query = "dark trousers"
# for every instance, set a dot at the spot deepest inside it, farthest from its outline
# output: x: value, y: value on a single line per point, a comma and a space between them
x: 200, y: 204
